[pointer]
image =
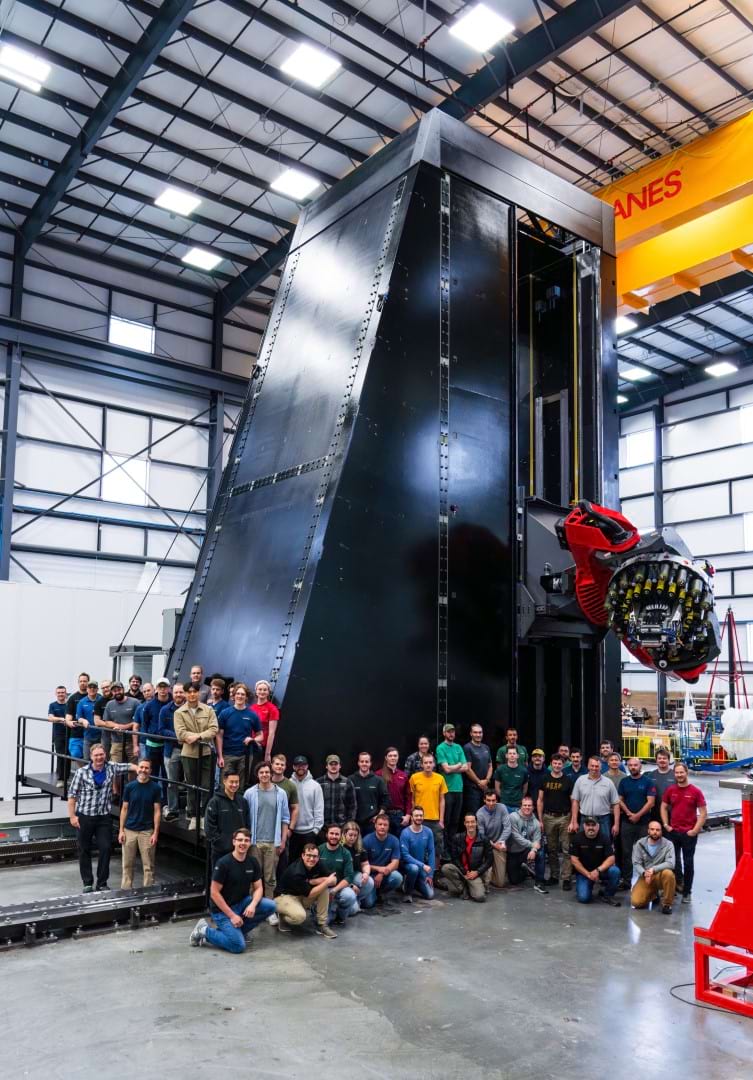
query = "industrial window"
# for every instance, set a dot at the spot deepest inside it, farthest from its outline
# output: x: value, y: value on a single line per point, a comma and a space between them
x: 127, y: 484
x: 639, y: 448
x: 130, y: 334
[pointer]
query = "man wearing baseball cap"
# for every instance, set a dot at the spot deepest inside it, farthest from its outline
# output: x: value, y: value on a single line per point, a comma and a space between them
x: 339, y: 793
x: 452, y: 764
x: 592, y: 858
x: 310, y: 820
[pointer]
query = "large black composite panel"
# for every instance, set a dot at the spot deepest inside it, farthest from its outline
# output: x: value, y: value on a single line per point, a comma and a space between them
x: 362, y: 551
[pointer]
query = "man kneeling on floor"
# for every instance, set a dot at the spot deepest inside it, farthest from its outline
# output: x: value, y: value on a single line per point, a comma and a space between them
x: 592, y: 858
x: 471, y: 863
x: 236, y: 897
x: 654, y: 865
x: 303, y: 886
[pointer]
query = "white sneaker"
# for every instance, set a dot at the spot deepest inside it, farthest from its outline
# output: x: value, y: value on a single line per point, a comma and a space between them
x: 191, y: 824
x: 199, y: 932
x: 273, y: 920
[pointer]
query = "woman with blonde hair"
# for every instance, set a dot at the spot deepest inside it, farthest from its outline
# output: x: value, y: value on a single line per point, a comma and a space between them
x: 268, y: 714
x: 363, y: 883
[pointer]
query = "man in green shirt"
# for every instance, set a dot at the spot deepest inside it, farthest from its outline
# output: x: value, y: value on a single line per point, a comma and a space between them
x: 334, y: 858
x: 511, y: 743
x: 511, y: 781
x: 452, y: 764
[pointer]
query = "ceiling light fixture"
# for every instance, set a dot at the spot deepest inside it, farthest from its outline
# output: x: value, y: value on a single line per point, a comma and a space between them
x: 177, y: 201
x: 203, y: 259
x: 297, y: 185
x: 623, y: 324
x: 23, y: 68
x: 723, y: 367
x: 635, y: 374
x: 621, y: 399
x: 310, y: 65
x: 481, y: 28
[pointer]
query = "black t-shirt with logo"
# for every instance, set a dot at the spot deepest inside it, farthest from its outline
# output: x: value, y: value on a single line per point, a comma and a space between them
x: 557, y: 791
x: 591, y: 852
x: 237, y: 878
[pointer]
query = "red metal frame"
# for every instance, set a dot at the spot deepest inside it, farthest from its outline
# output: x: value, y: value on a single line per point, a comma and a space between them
x: 730, y: 935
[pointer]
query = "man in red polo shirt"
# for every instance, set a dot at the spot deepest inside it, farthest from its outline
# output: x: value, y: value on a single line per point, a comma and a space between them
x: 683, y: 815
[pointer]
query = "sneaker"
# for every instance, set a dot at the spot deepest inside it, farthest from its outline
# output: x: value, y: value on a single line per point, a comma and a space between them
x: 610, y: 900
x: 687, y: 898
x: 567, y: 884
x: 103, y: 888
x: 666, y: 909
x: 191, y: 824
x: 407, y: 899
x: 282, y: 926
x: 274, y: 920
x: 59, y: 783
x: 539, y: 887
x: 198, y: 934
x: 529, y: 869
x: 170, y: 815
x: 623, y: 885
x: 88, y: 888
x: 325, y: 931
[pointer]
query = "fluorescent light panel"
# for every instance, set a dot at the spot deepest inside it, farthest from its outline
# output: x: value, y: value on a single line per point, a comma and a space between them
x: 23, y: 67
x: 623, y: 324
x: 635, y: 374
x: 621, y: 399
x: 310, y: 65
x: 205, y: 260
x: 131, y: 334
x: 177, y: 201
x: 297, y: 185
x: 724, y: 367
x: 481, y: 28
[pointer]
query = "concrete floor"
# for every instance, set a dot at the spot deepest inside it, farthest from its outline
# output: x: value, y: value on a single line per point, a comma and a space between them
x: 526, y: 987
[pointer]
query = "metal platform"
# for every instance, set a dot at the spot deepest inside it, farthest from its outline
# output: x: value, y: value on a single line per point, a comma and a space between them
x: 44, y: 921
x: 25, y: 842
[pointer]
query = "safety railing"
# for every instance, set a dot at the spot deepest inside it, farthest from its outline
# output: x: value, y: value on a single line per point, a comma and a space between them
x: 26, y: 778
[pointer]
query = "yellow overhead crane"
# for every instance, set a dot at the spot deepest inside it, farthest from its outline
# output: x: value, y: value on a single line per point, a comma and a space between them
x: 686, y: 219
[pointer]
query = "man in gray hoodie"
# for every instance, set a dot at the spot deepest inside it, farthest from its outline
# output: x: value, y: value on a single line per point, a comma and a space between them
x: 654, y: 866
x: 310, y: 821
x: 494, y: 825
x: 525, y: 853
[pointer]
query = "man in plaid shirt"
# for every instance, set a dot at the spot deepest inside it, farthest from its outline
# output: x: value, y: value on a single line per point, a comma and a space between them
x: 89, y: 806
x: 339, y: 794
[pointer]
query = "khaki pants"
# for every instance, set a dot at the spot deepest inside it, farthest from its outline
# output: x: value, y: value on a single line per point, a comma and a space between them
x: 498, y: 873
x: 293, y: 909
x: 267, y: 858
x: 116, y: 752
x: 555, y: 829
x: 458, y: 886
x: 138, y: 841
x: 644, y: 892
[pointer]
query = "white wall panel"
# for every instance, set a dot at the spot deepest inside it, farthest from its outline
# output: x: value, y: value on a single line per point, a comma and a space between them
x: 638, y: 481
x: 743, y: 560
x: 186, y: 446
x: 704, y: 502
x: 177, y: 487
x: 53, y: 469
x: 61, y: 316
x: 640, y: 512
x: 743, y: 609
x: 705, y: 433
x: 683, y: 410
x: 181, y: 551
x: 723, y: 583
x: 132, y: 307
x: 121, y: 540
x: 742, y: 495
x: 708, y: 468
x: 4, y: 301
x: 186, y: 350
x: 54, y: 532
x: 147, y: 514
x: 237, y: 363
x: 741, y: 395
x: 744, y: 581
x: 639, y: 422
x: 127, y: 433
x: 184, y: 323
x: 42, y: 418
x: 713, y: 537
x: 63, y: 287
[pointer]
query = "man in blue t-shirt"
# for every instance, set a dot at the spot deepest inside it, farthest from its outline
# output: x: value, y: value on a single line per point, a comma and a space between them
x: 151, y: 725
x: 171, y: 749
x: 239, y: 735
x: 382, y: 849
x: 85, y: 716
x: 56, y: 716
x: 140, y: 813
x: 637, y: 795
x: 417, y: 856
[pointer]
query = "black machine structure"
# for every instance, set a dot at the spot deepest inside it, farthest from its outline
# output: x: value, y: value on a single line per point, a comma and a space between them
x: 435, y: 389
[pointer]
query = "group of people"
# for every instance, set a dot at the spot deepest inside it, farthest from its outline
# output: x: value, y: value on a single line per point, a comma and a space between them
x: 282, y: 846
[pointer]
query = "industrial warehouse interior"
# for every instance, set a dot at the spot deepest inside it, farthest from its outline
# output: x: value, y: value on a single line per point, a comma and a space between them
x: 376, y: 538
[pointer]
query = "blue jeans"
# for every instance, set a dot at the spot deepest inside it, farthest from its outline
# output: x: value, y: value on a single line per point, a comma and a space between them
x: 415, y: 879
x: 233, y: 938
x: 343, y: 904
x: 584, y: 888
x: 516, y: 861
x: 391, y: 882
x: 367, y: 891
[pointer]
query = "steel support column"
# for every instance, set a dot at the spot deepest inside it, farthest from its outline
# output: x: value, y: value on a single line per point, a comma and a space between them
x: 658, y: 418
x: 8, y: 459
x: 216, y: 410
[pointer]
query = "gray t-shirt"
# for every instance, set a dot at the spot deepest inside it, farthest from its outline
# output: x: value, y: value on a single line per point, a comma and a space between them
x: 266, y: 816
x: 120, y: 712
x: 596, y: 797
x: 662, y: 781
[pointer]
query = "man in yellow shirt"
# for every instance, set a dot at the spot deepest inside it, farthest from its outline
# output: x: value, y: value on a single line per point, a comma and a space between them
x: 429, y: 789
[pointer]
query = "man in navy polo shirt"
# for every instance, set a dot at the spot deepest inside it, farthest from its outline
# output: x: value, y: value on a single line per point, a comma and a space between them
x: 151, y: 725
x: 56, y: 716
x: 171, y: 749
x: 139, y: 824
x: 637, y: 795
x: 239, y: 730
